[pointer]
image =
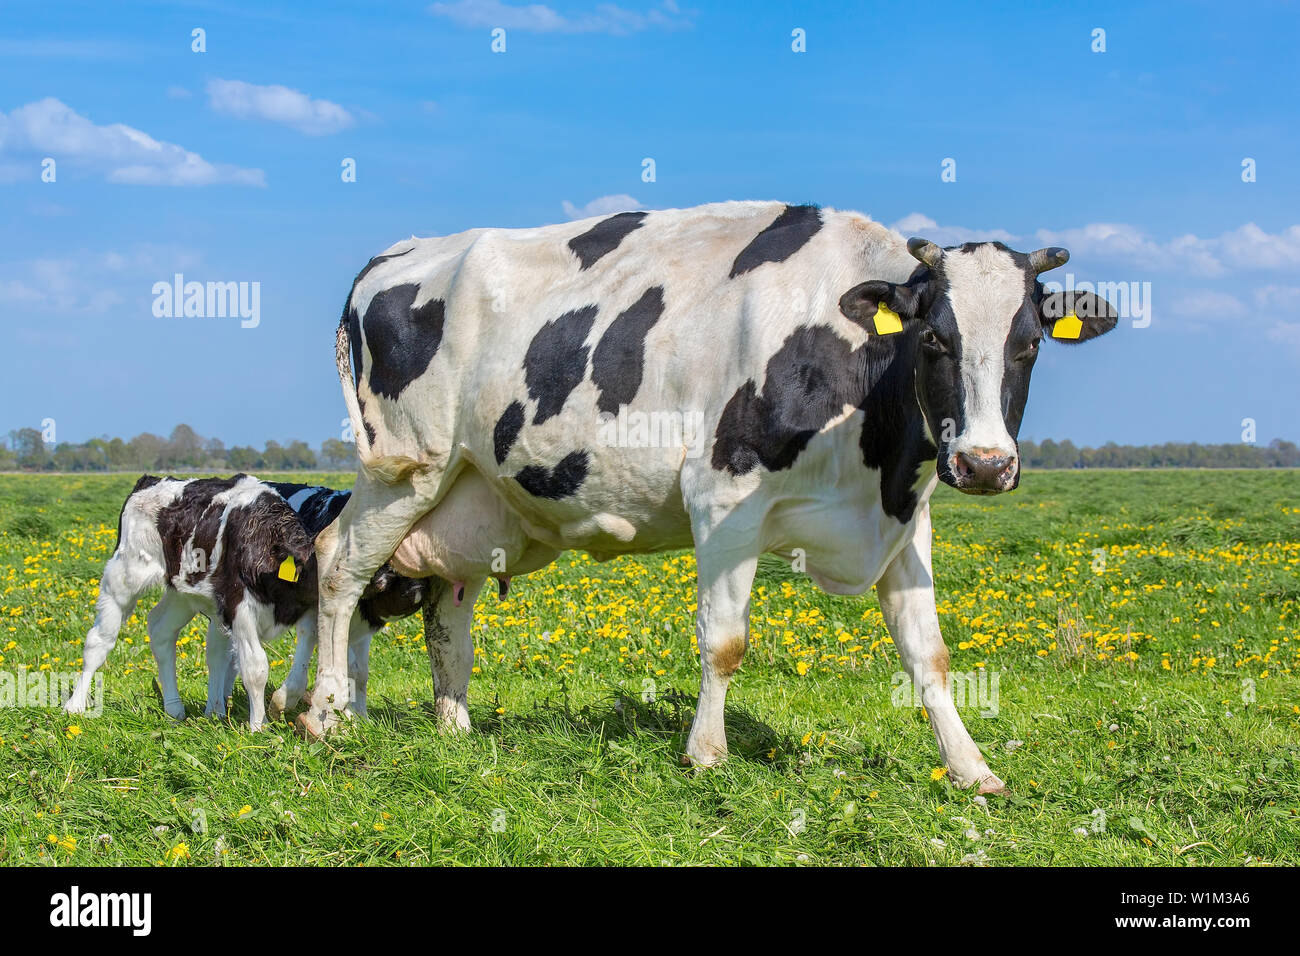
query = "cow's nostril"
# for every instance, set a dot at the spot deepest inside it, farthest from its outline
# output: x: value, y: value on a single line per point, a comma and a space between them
x: 984, y: 470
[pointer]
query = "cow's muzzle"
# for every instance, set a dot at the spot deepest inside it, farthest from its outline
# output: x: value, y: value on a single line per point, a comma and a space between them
x: 983, y: 471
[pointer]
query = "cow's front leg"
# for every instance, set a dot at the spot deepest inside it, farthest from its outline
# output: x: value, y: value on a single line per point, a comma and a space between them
x: 906, y: 592
x: 366, y: 533
x: 726, y: 575
x: 448, y: 617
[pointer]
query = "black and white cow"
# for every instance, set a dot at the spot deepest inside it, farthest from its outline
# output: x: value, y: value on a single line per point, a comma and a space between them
x: 240, y: 552
x: 838, y: 374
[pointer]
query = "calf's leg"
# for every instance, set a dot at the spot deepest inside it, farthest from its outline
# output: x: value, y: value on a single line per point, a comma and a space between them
x: 166, y: 619
x: 221, y: 669
x: 253, y: 666
x: 123, y: 581
x: 291, y: 691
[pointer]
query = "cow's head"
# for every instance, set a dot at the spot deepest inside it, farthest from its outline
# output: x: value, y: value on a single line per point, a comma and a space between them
x: 978, y: 312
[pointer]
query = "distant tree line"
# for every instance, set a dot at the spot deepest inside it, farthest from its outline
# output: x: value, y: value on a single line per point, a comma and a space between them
x: 184, y: 450
x: 1173, y: 454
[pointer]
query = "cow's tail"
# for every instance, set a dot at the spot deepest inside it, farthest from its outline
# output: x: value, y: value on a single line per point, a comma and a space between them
x: 387, y: 468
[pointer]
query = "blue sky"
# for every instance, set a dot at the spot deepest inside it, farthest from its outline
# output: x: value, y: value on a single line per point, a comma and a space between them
x: 225, y: 166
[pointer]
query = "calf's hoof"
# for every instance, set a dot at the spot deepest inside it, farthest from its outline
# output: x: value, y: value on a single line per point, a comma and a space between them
x: 991, y: 784
x: 279, y: 704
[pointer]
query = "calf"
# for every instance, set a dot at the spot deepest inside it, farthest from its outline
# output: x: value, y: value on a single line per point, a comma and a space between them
x: 837, y: 373
x: 237, y: 551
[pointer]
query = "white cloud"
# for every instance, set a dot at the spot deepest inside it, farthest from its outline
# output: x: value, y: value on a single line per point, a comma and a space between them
x: 539, y: 18
x: 90, y: 283
x: 919, y: 224
x: 278, y: 104
x: 122, y: 153
x: 1209, y: 304
x: 603, y: 206
x: 1246, y: 247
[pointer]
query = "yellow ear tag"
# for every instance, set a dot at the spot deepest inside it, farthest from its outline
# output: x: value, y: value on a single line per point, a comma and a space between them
x: 288, y: 570
x: 887, y: 320
x: 1067, y: 327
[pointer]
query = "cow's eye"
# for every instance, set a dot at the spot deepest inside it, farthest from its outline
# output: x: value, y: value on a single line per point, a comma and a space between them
x: 932, y: 341
x: 1029, y: 352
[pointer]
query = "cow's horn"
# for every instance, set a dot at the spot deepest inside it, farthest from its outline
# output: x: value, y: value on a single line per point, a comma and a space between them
x: 1040, y: 260
x: 925, y: 251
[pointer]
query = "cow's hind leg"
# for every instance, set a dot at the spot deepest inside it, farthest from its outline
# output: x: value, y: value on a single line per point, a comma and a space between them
x: 726, y: 563
x: 366, y: 533
x: 906, y: 592
x: 448, y: 617
x: 166, y: 619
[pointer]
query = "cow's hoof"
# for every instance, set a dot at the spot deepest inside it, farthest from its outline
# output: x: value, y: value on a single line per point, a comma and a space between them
x: 309, y: 727
x: 703, y: 757
x: 991, y: 784
x: 175, y: 711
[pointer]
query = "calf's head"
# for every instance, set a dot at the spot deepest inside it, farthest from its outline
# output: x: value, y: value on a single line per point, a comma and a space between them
x: 977, y: 314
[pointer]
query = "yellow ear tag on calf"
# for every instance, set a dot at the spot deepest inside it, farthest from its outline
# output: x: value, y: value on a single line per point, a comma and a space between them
x: 288, y: 570
x: 887, y: 320
x: 1067, y: 327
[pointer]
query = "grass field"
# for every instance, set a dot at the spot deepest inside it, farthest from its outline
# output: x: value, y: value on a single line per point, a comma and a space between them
x: 1142, y: 629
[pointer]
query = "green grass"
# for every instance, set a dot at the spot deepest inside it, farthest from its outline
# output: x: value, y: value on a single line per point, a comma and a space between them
x: 1151, y: 686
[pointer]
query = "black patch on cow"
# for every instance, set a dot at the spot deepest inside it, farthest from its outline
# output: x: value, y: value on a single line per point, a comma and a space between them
x: 562, y: 481
x: 507, y: 430
x: 604, y: 236
x: 259, y: 535
x: 556, y: 361
x: 376, y: 261
x: 809, y: 381
x: 787, y: 234
x: 402, y: 338
x: 369, y: 428
x: 619, y: 360
x: 893, y: 433
x: 319, y: 509
x: 178, y: 520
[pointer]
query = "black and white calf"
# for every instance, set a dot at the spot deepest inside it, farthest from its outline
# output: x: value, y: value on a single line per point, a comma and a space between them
x: 838, y: 371
x: 238, y: 552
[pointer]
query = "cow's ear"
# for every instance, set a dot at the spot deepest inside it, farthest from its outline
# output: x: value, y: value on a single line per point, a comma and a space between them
x: 862, y: 304
x: 1074, y: 317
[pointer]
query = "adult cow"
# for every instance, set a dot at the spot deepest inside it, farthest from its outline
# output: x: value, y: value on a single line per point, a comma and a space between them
x: 837, y: 381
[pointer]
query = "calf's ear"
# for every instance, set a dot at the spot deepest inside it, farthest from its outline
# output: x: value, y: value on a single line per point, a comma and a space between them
x: 880, y: 306
x: 1074, y: 317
